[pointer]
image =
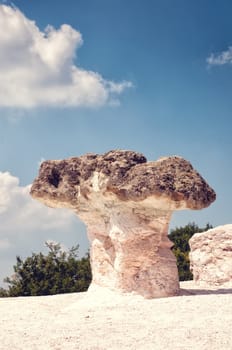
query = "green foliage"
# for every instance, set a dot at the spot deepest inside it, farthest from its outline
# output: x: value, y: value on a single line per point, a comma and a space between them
x: 57, y: 272
x: 180, y: 236
x: 3, y: 293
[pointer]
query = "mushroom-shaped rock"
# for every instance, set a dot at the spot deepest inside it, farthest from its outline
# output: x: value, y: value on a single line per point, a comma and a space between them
x: 211, y: 256
x: 126, y: 203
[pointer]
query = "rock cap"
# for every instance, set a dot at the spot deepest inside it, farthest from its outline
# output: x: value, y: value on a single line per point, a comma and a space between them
x: 125, y: 174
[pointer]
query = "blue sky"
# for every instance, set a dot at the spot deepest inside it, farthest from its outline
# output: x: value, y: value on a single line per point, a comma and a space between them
x: 152, y: 76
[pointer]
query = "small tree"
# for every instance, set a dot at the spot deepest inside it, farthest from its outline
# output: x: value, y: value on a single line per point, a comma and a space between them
x: 57, y: 272
x: 180, y: 236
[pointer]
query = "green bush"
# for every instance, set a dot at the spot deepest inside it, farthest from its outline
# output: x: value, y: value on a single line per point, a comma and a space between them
x: 57, y: 272
x: 180, y: 236
x: 3, y: 293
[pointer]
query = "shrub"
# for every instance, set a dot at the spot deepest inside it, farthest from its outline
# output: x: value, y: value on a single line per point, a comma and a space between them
x: 180, y: 236
x: 57, y: 272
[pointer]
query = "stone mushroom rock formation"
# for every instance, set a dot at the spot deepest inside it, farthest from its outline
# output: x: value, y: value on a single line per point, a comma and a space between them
x: 211, y: 256
x: 126, y: 204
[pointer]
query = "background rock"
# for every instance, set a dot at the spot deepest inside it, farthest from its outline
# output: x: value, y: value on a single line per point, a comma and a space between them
x: 211, y: 256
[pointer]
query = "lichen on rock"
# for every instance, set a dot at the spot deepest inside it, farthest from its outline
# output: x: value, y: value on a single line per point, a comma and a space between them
x: 126, y: 203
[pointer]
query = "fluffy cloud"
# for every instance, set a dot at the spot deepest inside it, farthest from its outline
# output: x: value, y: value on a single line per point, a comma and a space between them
x: 26, y: 224
x: 18, y: 211
x: 225, y: 57
x: 4, y: 244
x: 37, y: 68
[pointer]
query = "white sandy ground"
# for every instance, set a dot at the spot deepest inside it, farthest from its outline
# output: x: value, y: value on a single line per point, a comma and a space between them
x: 103, y: 320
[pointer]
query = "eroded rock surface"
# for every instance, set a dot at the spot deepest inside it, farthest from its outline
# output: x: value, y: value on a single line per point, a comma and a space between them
x: 126, y: 204
x: 211, y: 256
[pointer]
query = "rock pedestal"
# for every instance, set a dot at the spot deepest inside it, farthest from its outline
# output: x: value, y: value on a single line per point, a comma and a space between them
x: 211, y: 256
x: 126, y: 204
x: 130, y: 250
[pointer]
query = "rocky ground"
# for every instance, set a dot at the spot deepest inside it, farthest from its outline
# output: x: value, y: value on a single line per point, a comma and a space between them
x: 199, y: 319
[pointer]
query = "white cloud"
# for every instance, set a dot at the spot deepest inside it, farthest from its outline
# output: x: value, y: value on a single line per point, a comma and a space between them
x: 25, y: 224
x: 18, y: 211
x: 4, y: 244
x: 37, y: 68
x: 225, y: 57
